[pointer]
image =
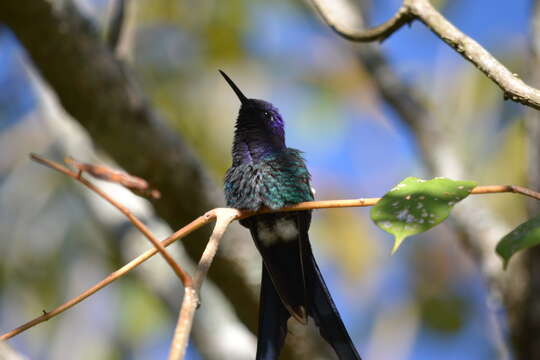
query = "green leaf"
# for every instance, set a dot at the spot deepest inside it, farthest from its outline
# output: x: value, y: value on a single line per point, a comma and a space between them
x: 415, y: 205
x: 524, y: 236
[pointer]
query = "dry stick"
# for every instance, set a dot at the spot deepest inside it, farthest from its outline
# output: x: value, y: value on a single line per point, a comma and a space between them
x: 133, y: 183
x: 191, y: 295
x: 513, y: 87
x: 183, y: 326
x: 194, y: 225
x: 210, y: 215
x: 182, y: 275
x: 378, y: 33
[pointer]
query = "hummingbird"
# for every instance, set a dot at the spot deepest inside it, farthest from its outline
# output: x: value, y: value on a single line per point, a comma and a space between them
x: 265, y: 173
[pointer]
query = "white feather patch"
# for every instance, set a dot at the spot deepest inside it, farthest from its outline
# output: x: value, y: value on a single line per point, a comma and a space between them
x: 286, y: 229
x: 266, y: 234
x: 282, y: 230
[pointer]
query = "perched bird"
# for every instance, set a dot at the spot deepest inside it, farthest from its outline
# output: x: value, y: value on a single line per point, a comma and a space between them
x: 265, y: 173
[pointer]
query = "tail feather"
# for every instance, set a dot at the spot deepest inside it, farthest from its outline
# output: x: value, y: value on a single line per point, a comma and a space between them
x: 272, y: 321
x: 324, y: 312
x: 292, y: 285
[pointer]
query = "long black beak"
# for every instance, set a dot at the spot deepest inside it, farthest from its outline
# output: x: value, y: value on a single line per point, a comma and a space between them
x: 242, y: 97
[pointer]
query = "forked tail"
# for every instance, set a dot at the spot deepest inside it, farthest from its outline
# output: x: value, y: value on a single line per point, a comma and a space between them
x: 273, y: 315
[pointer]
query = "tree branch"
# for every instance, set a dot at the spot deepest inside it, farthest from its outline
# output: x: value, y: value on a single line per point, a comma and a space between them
x: 189, y: 228
x: 513, y: 87
x: 378, y: 33
x: 182, y: 275
x: 191, y: 295
x: 227, y: 216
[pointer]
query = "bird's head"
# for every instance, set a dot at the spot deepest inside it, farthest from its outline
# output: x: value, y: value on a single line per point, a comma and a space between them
x: 258, y: 119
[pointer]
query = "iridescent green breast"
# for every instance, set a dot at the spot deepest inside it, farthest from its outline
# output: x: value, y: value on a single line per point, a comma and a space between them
x: 274, y: 181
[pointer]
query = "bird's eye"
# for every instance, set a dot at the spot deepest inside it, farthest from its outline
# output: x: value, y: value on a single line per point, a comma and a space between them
x: 268, y: 116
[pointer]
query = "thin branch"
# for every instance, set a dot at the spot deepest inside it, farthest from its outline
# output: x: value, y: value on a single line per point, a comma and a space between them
x: 190, y: 302
x: 182, y: 275
x: 191, y: 296
x: 224, y: 216
x: 378, y: 33
x: 211, y: 215
x: 194, y: 225
x: 134, y: 183
x: 492, y: 189
x: 513, y: 87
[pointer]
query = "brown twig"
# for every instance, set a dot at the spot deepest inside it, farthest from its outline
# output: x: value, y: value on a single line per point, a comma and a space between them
x: 211, y: 215
x: 194, y: 225
x: 190, y: 301
x: 512, y: 86
x: 493, y: 189
x: 182, y: 275
x: 378, y: 33
x: 120, y: 177
x: 183, y: 326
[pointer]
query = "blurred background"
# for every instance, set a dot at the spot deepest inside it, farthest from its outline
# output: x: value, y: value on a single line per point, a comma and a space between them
x: 366, y: 116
